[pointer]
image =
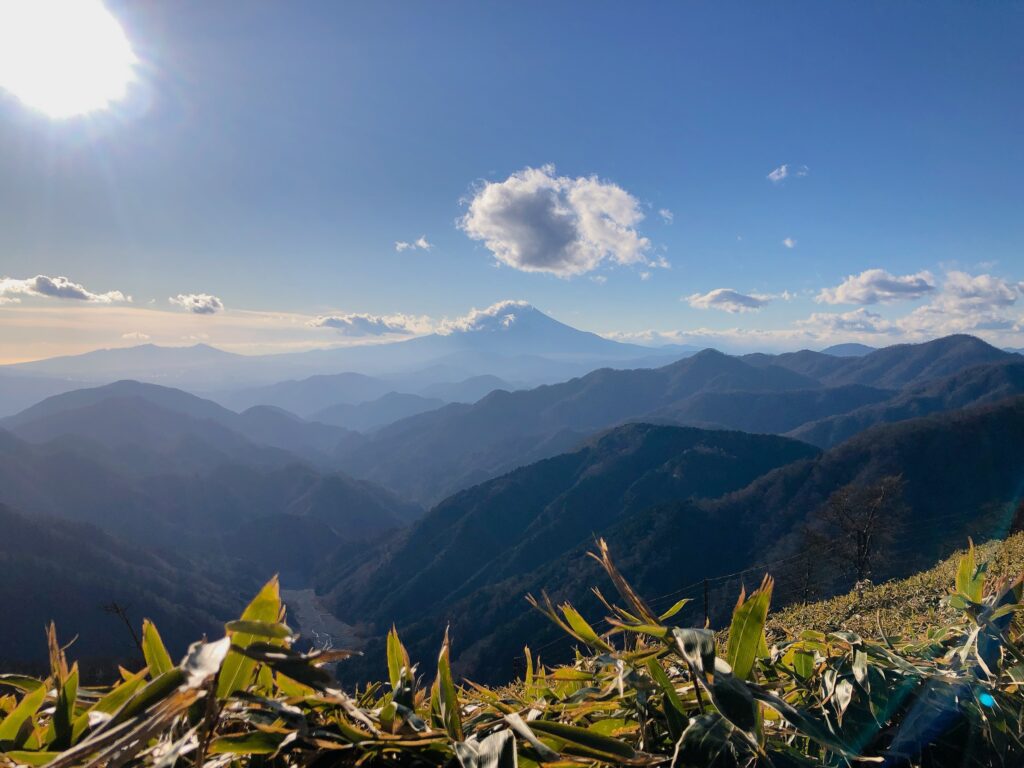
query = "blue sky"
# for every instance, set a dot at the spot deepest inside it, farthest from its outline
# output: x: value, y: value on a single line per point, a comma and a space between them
x: 273, y: 157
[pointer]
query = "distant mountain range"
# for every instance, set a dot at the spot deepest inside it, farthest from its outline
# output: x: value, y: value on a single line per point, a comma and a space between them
x: 511, y: 340
x: 429, y: 456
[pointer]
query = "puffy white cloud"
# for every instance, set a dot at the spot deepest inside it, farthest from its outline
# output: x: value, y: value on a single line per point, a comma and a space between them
x: 421, y: 243
x: 728, y: 300
x: 362, y: 324
x: 985, y: 291
x: 965, y: 304
x: 789, y: 242
x: 666, y: 215
x: 873, y: 286
x: 536, y: 221
x: 135, y: 336
x: 859, y: 321
x: 198, y: 303
x: 12, y: 290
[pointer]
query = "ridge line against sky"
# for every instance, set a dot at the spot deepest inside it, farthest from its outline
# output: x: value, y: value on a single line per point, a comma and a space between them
x: 750, y: 178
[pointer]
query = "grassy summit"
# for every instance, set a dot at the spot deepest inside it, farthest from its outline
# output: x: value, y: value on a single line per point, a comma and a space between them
x: 641, y: 691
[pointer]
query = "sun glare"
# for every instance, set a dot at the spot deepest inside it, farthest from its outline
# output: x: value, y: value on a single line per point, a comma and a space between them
x: 63, y: 57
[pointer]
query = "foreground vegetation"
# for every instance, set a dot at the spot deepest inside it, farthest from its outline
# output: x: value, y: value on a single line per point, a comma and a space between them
x: 639, y: 692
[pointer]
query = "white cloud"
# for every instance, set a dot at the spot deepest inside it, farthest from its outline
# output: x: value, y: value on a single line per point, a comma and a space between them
x: 779, y: 173
x: 666, y: 215
x: 198, y: 303
x: 361, y: 324
x: 859, y: 321
x: 135, y: 336
x: 966, y: 304
x: 536, y: 221
x: 420, y: 243
x: 803, y: 170
x: 789, y: 242
x: 874, y: 286
x: 985, y: 291
x: 12, y: 290
x: 728, y: 300
x: 502, y: 314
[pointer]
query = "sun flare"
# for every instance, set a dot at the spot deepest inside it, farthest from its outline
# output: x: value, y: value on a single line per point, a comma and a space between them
x: 63, y: 57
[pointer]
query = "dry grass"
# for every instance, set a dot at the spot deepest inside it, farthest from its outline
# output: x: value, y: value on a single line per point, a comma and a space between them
x: 901, y: 608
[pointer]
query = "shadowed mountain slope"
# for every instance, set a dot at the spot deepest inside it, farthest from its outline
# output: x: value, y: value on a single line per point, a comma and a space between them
x: 962, y: 474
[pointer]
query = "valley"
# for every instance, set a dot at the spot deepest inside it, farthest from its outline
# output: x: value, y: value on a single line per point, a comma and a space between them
x: 423, y: 510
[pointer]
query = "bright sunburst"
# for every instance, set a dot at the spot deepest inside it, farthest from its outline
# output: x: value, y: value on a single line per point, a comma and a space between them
x: 63, y: 57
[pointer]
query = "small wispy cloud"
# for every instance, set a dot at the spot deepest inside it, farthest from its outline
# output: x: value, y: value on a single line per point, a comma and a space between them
x: 419, y: 244
x: 666, y: 215
x: 785, y: 170
x: 135, y: 336
x: 789, y: 242
x: 198, y: 303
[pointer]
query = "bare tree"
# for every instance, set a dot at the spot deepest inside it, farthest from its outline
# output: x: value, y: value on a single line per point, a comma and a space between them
x: 121, y: 611
x: 857, y: 523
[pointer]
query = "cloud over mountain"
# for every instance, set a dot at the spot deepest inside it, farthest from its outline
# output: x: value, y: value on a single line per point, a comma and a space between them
x: 12, y: 290
x: 500, y: 315
x: 874, y: 286
x: 536, y: 221
x: 198, y: 303
x: 728, y: 300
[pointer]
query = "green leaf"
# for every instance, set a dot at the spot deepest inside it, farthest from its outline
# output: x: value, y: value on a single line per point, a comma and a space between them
x: 22, y: 757
x: 64, y: 711
x: 274, y: 630
x: 10, y: 728
x: 156, y: 690
x: 970, y: 577
x: 583, y: 629
x: 237, y: 671
x: 447, y: 697
x: 746, y: 632
x: 674, y: 609
x: 21, y: 682
x: 675, y: 712
x: 398, y: 659
x: 255, y: 743
x: 157, y: 658
x: 588, y: 740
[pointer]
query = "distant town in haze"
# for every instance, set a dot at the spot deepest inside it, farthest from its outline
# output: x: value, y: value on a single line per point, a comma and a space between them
x: 494, y: 385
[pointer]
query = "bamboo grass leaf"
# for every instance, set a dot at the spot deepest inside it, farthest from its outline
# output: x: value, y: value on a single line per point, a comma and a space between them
x: 157, y: 658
